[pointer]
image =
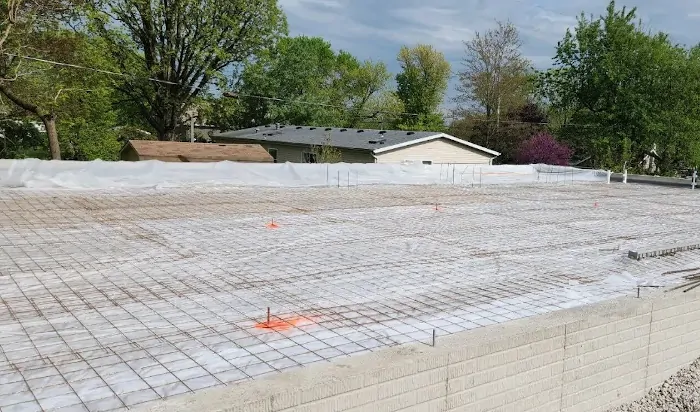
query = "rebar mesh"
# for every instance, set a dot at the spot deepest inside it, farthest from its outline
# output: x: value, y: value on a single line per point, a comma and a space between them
x: 113, y: 298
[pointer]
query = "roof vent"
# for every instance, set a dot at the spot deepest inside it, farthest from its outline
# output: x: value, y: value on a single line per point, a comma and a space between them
x: 281, y: 126
x: 373, y: 142
x: 343, y: 130
x: 298, y: 127
x: 257, y: 130
x: 328, y: 129
x: 360, y: 131
x: 382, y: 131
x: 410, y: 133
x: 222, y: 145
x: 312, y: 128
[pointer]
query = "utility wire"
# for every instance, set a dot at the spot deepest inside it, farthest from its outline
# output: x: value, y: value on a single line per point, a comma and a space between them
x: 276, y: 99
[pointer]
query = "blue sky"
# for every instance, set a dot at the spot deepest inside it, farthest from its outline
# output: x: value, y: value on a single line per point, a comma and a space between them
x: 376, y: 30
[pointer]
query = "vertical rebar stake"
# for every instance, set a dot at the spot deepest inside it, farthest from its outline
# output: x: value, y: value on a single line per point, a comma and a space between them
x: 268, y: 315
x: 433, y: 337
x: 348, y: 179
x: 338, y: 178
x: 638, y: 292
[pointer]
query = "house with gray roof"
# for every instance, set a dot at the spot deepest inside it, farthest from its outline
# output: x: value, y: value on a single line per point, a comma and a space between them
x: 289, y: 143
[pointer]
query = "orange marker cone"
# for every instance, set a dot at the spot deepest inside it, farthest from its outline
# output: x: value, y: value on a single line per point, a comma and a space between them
x: 272, y: 224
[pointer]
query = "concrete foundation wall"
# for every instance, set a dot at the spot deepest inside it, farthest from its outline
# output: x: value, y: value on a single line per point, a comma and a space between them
x: 584, y: 359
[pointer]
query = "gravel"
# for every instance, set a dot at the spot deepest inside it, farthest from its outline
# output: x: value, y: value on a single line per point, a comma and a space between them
x: 680, y: 393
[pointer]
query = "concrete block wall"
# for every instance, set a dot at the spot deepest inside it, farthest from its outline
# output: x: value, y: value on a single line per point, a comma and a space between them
x: 584, y: 359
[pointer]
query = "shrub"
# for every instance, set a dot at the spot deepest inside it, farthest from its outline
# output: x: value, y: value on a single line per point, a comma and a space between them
x: 544, y: 148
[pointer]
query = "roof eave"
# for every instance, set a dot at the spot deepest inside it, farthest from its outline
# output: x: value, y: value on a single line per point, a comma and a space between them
x: 434, y: 137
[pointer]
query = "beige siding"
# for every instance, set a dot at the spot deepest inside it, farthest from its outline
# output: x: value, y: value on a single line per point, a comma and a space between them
x: 293, y: 153
x: 436, y: 151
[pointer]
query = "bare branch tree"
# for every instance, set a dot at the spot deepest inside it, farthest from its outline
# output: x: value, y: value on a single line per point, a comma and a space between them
x: 494, y: 75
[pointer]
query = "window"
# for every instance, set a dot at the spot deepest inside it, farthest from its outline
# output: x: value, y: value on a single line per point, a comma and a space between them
x: 427, y: 162
x: 273, y: 153
x: 308, y: 157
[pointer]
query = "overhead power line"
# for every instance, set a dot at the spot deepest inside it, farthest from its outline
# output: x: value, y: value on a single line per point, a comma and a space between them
x: 374, y: 113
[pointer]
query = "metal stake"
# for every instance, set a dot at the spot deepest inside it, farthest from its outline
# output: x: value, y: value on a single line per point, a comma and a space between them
x: 268, y: 315
x: 433, y: 337
x: 338, y: 178
x: 348, y: 179
x: 638, y: 292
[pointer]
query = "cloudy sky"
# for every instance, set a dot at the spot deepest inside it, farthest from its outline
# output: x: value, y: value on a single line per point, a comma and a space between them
x: 374, y: 29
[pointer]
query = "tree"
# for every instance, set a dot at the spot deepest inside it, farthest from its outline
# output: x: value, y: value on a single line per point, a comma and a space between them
x: 29, y: 25
x: 175, y: 49
x: 544, y: 148
x: 21, y: 139
x: 303, y: 81
x: 495, y: 75
x: 422, y: 83
x: 622, y: 90
x: 326, y: 152
x: 518, y: 124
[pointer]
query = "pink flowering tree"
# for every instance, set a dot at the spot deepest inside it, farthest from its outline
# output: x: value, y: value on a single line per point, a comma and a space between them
x: 544, y: 148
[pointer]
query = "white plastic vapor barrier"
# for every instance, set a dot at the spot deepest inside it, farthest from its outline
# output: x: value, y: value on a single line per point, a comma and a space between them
x: 34, y: 173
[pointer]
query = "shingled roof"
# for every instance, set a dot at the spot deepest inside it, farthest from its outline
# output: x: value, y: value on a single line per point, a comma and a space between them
x: 374, y: 140
x: 196, y: 152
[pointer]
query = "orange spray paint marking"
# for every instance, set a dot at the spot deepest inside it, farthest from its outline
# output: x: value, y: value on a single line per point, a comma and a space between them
x: 272, y: 225
x: 283, y: 324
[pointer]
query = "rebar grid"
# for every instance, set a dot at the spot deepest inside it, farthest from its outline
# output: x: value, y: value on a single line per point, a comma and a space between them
x: 115, y: 298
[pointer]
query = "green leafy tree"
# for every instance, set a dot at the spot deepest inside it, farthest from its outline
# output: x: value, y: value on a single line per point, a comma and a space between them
x: 175, y: 49
x: 303, y: 81
x: 422, y: 84
x: 631, y: 89
x: 35, y: 27
x: 21, y: 139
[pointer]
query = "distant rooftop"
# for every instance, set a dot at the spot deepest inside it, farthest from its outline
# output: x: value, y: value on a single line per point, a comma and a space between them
x: 361, y: 139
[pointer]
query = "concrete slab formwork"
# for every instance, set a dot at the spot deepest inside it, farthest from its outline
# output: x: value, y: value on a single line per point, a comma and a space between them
x: 114, y: 298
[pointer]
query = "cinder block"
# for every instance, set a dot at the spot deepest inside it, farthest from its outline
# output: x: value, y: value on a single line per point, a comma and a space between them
x: 341, y: 402
x: 536, y: 402
x: 572, y: 361
x: 411, y: 383
x: 611, y: 398
x: 435, y: 405
x: 504, y: 387
x: 585, y: 334
x: 329, y: 388
x: 263, y: 405
x: 602, y: 342
x: 611, y: 374
x: 403, y: 401
x: 571, y: 398
x: 603, y: 365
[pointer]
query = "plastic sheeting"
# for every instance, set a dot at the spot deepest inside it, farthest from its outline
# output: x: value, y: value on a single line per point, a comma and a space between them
x: 98, y: 174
